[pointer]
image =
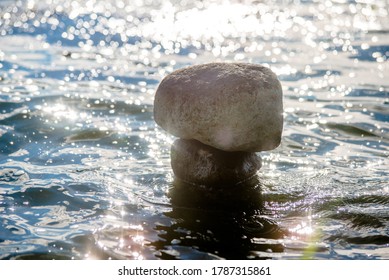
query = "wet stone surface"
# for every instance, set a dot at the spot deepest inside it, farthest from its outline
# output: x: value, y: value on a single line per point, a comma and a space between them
x: 199, y: 164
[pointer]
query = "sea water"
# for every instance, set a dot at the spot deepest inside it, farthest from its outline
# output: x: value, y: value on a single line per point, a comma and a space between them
x: 85, y: 171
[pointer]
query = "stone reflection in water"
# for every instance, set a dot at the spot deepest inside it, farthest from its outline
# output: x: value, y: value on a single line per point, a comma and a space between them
x: 221, y: 221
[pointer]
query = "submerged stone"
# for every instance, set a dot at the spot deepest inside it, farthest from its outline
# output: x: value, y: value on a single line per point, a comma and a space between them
x: 229, y: 106
x: 196, y: 163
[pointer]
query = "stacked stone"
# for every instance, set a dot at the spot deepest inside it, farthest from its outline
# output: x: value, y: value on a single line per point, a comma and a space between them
x: 223, y: 113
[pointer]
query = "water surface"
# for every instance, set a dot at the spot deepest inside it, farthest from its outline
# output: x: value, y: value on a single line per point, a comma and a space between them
x: 85, y: 171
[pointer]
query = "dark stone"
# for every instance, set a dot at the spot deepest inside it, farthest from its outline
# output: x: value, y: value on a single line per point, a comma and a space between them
x: 196, y: 163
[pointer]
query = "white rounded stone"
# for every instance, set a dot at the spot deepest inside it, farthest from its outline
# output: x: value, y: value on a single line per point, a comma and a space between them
x: 229, y: 106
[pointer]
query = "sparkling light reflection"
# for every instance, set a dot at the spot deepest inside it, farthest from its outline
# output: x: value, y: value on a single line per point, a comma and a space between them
x: 304, y: 228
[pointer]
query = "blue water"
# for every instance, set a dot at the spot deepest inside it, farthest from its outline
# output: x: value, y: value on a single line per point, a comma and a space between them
x: 85, y: 171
